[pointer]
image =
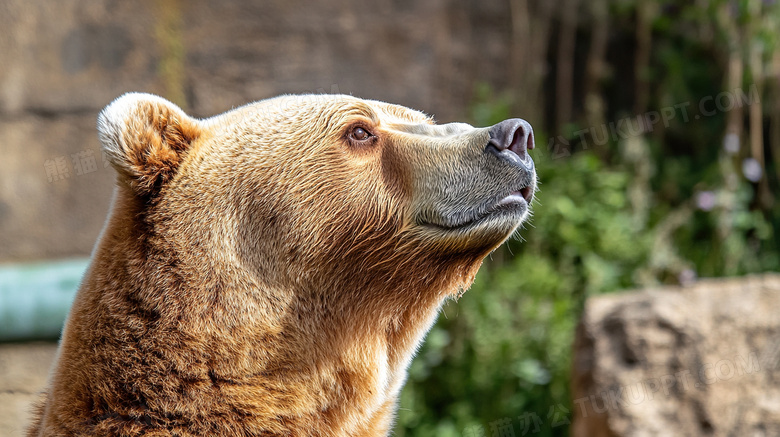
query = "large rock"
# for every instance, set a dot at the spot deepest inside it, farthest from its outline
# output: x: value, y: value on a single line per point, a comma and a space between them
x: 696, y: 361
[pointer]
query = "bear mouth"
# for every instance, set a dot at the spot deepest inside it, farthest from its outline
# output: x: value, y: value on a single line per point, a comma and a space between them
x: 511, y: 207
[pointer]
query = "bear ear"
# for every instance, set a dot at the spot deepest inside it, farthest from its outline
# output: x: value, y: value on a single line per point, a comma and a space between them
x: 145, y: 137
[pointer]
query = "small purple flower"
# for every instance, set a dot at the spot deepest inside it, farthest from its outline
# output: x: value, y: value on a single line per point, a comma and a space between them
x: 706, y: 200
x: 752, y: 170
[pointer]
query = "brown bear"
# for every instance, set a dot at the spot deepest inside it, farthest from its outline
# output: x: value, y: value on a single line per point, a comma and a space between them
x: 272, y: 270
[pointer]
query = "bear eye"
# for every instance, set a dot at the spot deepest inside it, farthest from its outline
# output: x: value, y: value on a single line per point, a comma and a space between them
x: 359, y: 134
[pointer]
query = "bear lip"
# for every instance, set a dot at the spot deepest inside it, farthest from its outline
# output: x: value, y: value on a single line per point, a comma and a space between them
x: 526, y: 193
x: 515, y: 203
x: 514, y: 208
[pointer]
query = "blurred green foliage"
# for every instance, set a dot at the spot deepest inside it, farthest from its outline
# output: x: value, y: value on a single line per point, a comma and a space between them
x: 660, y: 207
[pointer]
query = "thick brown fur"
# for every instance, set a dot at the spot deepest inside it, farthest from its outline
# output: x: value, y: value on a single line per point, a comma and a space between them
x: 264, y: 273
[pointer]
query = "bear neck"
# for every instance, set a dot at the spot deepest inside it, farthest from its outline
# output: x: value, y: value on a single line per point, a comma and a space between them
x: 168, y: 320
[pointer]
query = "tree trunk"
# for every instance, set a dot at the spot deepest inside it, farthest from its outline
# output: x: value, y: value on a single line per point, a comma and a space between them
x: 734, y: 73
x: 564, y: 80
x: 774, y: 121
x: 595, y: 66
x: 645, y: 14
x: 528, y: 65
x: 756, y: 114
x: 764, y: 195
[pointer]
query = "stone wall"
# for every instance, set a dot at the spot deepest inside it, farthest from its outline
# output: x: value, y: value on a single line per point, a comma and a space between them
x: 63, y: 61
x: 697, y: 361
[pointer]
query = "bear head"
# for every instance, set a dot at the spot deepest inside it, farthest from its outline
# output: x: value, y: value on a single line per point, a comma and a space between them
x: 272, y: 270
x: 325, y: 191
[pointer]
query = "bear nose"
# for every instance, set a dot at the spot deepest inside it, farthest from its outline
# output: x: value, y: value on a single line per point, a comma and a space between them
x: 515, y: 135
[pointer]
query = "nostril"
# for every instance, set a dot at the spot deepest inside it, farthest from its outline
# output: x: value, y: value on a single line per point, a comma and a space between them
x: 519, y: 144
x: 515, y: 135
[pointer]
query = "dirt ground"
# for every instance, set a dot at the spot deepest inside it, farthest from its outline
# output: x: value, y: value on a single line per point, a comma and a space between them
x: 24, y: 369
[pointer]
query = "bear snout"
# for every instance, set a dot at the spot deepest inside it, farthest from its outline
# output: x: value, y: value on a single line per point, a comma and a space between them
x: 511, y: 140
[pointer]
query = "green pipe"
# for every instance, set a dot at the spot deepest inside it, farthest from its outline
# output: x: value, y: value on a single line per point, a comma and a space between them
x: 35, y: 298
